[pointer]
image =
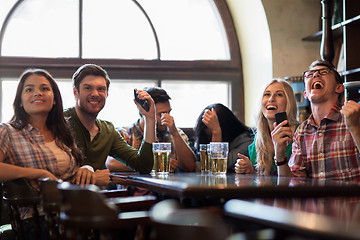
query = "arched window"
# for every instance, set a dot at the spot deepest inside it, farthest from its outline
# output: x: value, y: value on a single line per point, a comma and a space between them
x: 187, y: 47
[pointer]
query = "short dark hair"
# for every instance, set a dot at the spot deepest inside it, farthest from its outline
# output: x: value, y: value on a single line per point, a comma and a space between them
x: 89, y: 69
x: 158, y: 94
x: 329, y: 65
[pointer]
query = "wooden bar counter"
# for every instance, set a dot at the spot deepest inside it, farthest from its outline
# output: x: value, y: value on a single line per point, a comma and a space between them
x: 208, y: 188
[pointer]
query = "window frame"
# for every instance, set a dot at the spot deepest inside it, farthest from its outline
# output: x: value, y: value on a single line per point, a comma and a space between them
x: 227, y: 70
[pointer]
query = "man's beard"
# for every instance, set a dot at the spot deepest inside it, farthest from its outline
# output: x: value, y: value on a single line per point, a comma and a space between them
x: 85, y: 111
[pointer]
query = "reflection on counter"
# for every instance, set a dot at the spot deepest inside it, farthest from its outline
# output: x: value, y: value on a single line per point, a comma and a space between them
x: 340, y: 208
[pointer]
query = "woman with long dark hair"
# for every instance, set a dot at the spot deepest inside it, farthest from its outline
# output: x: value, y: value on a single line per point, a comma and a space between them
x: 218, y: 123
x: 37, y: 140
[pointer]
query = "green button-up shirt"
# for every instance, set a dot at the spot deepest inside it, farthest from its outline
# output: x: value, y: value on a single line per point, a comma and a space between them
x: 108, y: 142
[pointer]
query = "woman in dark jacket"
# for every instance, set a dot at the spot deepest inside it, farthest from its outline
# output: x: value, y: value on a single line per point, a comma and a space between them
x: 218, y: 123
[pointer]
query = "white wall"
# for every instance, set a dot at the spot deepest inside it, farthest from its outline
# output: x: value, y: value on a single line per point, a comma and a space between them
x: 270, y: 33
x: 289, y: 22
x: 255, y: 47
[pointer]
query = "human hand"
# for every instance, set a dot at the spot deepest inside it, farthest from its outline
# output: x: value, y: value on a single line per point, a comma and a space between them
x: 281, y: 137
x: 168, y: 120
x: 84, y: 176
x: 243, y: 165
x: 210, y: 119
x: 102, y: 177
x: 47, y: 174
x: 144, y: 95
x: 351, y: 112
x: 173, y: 164
x: 40, y: 174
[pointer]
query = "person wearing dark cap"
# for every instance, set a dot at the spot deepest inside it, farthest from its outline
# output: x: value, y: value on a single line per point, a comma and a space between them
x: 327, y: 144
x: 166, y: 130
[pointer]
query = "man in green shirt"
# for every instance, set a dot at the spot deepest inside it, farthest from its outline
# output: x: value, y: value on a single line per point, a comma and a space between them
x: 97, y: 138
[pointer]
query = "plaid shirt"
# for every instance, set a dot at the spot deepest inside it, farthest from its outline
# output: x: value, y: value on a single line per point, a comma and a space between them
x: 325, y: 151
x: 27, y: 148
x: 133, y: 135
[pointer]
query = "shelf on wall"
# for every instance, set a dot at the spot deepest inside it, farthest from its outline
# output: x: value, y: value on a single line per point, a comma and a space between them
x: 349, y: 72
x: 351, y: 85
x: 337, y: 30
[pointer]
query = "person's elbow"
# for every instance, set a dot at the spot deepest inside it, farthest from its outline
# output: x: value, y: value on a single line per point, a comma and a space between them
x: 113, y: 165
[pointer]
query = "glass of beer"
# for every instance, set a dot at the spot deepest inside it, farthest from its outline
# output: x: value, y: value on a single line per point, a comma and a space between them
x: 219, y: 154
x: 204, y: 158
x: 208, y: 163
x: 161, y: 153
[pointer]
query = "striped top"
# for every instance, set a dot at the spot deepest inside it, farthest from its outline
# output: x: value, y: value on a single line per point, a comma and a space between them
x: 325, y: 151
x: 133, y: 135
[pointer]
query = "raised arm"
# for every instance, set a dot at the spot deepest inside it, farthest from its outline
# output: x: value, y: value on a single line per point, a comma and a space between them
x: 150, y: 121
x: 184, y: 154
x: 142, y: 159
x: 210, y: 119
x: 351, y: 112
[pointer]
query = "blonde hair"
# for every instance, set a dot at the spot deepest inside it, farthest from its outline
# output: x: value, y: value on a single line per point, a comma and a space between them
x: 263, y: 144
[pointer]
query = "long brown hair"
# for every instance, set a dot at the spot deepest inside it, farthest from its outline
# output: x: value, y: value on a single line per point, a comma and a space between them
x: 263, y: 144
x: 55, y: 121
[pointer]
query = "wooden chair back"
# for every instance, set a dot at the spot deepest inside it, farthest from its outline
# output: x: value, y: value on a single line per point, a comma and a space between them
x: 50, y: 202
x: 87, y: 212
x: 17, y: 194
x: 84, y: 206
